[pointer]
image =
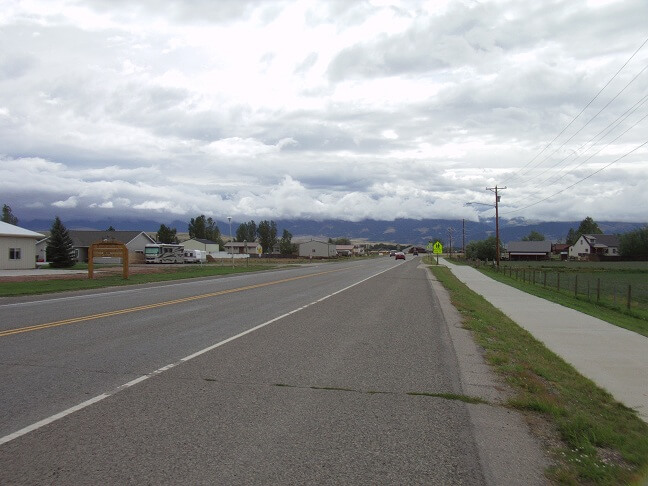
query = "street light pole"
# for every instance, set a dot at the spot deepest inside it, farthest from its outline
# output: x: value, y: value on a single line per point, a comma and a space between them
x: 229, y: 220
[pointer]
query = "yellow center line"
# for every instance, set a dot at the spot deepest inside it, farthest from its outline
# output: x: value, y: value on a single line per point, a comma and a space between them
x: 75, y: 320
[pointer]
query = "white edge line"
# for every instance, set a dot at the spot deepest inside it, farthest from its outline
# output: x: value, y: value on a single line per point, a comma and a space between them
x: 98, y: 398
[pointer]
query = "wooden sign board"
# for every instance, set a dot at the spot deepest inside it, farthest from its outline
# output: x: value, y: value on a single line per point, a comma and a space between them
x: 110, y: 249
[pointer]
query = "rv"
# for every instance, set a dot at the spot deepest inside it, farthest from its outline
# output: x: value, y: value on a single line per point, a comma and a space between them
x: 195, y: 256
x: 164, y: 253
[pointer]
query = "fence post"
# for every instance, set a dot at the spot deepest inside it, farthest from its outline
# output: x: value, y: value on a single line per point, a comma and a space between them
x: 534, y: 277
x: 629, y: 295
x: 576, y: 286
x: 524, y: 275
x: 545, y: 280
x: 588, y: 289
x: 558, y: 285
x: 598, y: 289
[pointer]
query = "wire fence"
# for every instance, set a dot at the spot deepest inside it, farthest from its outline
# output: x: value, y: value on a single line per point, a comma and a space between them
x: 622, y: 290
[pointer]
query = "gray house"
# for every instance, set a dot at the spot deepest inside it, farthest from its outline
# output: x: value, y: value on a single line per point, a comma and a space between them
x: 529, y: 250
x: 317, y: 249
x: 135, y: 241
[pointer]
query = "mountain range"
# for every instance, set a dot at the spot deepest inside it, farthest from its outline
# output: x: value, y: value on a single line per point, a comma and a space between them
x: 403, y: 231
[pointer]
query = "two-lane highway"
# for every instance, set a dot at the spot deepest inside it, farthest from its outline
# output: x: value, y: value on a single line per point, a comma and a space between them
x: 335, y: 373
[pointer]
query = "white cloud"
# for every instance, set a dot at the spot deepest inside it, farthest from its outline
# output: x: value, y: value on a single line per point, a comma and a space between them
x: 352, y: 110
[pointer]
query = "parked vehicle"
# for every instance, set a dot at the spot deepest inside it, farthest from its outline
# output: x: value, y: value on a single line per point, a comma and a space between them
x: 164, y: 253
x: 399, y: 255
x: 195, y: 256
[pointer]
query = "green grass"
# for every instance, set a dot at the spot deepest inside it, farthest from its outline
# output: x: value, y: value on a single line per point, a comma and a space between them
x: 83, y: 283
x: 603, y: 442
x: 635, y: 320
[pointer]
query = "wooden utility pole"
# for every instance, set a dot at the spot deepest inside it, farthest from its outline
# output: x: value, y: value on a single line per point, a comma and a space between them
x: 497, y: 238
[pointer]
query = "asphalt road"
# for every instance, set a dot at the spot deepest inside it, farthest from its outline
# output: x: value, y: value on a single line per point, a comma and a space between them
x: 326, y: 374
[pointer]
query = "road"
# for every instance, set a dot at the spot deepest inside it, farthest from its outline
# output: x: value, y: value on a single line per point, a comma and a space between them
x: 323, y: 374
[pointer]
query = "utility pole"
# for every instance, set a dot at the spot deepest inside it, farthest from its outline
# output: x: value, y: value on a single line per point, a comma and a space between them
x: 497, y: 238
x: 463, y: 235
x: 450, y: 230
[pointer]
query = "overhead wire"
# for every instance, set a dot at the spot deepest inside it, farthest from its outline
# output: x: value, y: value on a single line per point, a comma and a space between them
x: 578, y: 115
x: 579, y: 181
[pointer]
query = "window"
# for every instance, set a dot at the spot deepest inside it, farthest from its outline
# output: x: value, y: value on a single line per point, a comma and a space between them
x: 14, y: 253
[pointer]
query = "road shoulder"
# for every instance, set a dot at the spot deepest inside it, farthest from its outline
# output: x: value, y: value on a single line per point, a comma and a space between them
x: 509, y: 452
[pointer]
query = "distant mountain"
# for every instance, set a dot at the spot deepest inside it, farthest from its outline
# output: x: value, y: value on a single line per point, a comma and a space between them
x: 403, y: 231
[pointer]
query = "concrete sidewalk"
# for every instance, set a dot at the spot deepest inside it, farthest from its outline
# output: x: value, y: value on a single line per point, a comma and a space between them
x: 612, y: 357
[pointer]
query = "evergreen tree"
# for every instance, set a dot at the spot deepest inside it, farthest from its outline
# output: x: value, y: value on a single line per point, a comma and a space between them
x: 8, y: 216
x: 167, y: 235
x: 60, y: 249
x: 587, y: 227
x: 286, y: 246
x: 247, y: 231
x: 267, y: 232
x: 534, y: 236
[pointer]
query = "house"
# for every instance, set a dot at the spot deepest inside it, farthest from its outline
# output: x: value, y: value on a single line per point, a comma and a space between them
x: 135, y: 241
x: 561, y: 250
x: 594, y: 247
x: 17, y: 247
x: 529, y: 250
x: 345, y: 250
x: 242, y: 247
x: 317, y: 249
x: 202, y: 245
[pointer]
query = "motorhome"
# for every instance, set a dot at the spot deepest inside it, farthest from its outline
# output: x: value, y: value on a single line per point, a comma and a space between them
x: 195, y: 256
x: 164, y: 253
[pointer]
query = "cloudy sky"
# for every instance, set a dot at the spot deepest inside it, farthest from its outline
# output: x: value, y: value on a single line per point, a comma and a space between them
x: 270, y: 109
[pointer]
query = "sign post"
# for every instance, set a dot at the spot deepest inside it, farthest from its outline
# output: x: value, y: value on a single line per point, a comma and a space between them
x: 437, y: 249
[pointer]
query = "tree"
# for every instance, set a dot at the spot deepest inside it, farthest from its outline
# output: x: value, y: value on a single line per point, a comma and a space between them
x: 634, y: 245
x: 343, y: 241
x: 534, y: 236
x: 60, y: 249
x: 267, y: 232
x: 205, y: 228
x: 167, y: 235
x: 286, y: 246
x: 587, y: 227
x: 247, y: 231
x: 8, y: 216
x: 110, y: 228
x: 483, y: 249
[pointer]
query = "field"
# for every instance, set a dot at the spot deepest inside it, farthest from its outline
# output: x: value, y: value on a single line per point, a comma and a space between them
x: 621, y: 286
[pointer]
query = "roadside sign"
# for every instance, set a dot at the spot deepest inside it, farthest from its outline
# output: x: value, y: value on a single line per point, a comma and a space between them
x: 259, y: 249
x: 430, y: 246
x: 437, y: 248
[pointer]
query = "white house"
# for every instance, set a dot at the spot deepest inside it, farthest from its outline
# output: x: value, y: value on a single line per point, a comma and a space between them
x: 317, y: 249
x: 588, y: 246
x: 17, y: 247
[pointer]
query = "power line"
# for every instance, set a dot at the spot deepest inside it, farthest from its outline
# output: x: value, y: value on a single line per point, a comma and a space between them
x: 579, y: 181
x: 581, y: 112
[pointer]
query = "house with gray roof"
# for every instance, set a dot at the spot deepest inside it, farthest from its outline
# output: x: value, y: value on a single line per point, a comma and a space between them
x: 529, y: 250
x: 17, y: 247
x: 595, y: 247
x: 135, y: 241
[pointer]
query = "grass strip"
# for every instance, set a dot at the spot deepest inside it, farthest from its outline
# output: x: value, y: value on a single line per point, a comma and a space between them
x: 603, y: 442
x: 608, y: 314
x: 8, y: 289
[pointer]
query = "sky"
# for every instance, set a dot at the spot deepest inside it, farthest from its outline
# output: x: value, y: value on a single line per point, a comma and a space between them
x: 351, y: 110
